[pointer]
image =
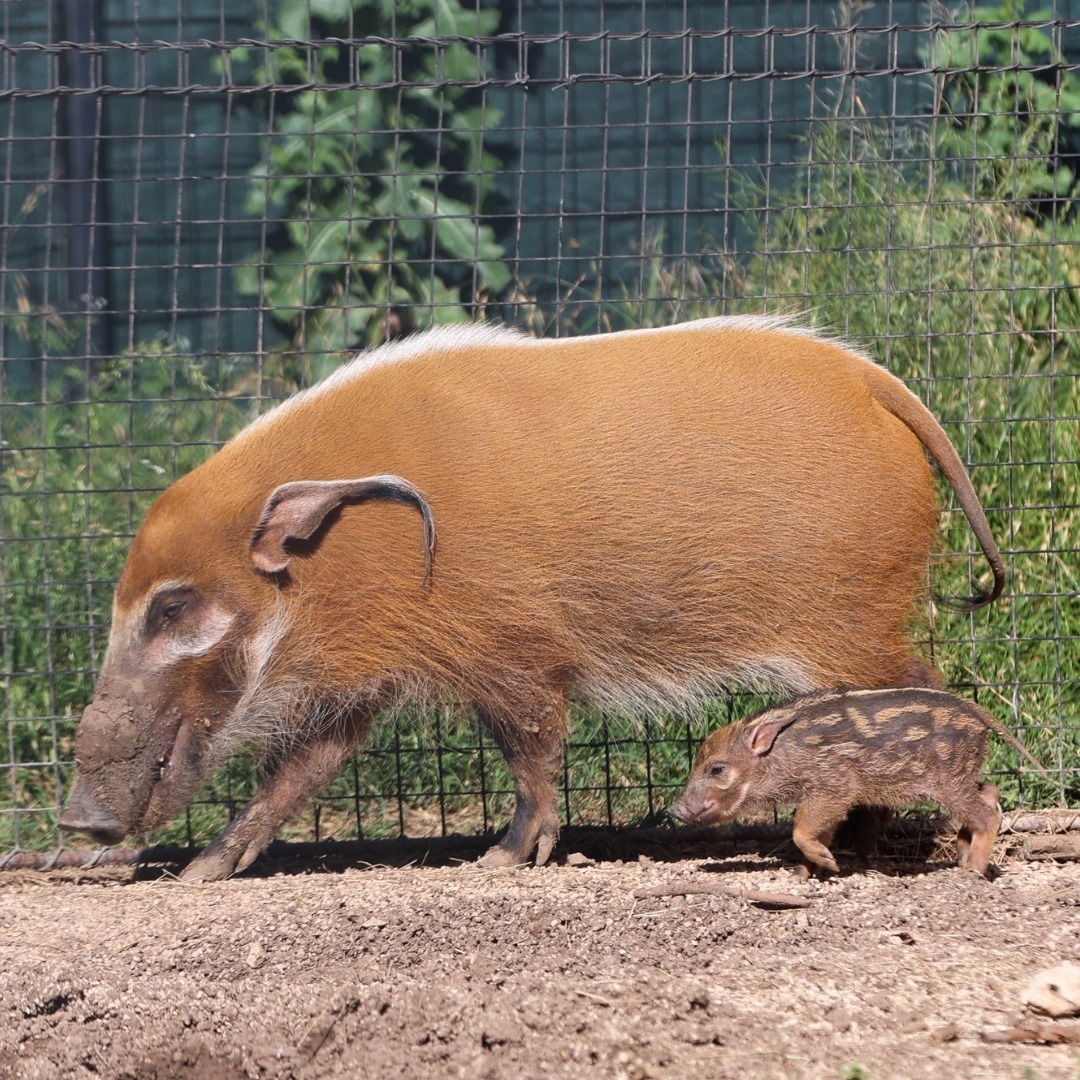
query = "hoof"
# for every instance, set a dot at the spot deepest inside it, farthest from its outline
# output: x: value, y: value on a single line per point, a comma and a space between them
x: 208, y: 868
x: 518, y: 854
x: 500, y: 856
x: 217, y: 862
x: 544, y: 847
x: 817, y: 871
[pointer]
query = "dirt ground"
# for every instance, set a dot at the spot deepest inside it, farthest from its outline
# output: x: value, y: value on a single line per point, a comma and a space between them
x: 607, y: 964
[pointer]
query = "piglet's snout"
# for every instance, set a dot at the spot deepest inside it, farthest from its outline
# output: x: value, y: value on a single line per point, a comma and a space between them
x: 695, y: 807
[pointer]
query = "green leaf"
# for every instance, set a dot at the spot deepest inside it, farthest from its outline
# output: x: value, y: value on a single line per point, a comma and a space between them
x: 293, y: 22
x: 354, y: 175
x: 331, y: 11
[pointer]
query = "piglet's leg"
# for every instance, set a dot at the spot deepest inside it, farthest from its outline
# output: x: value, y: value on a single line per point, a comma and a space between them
x: 815, y: 823
x: 532, y: 745
x: 978, y: 818
x: 862, y: 828
x: 288, y: 784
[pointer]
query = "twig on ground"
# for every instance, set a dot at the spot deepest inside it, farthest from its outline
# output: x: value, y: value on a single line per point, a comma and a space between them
x: 755, y: 896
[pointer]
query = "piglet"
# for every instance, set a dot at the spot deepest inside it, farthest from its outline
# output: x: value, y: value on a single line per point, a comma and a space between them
x: 831, y: 751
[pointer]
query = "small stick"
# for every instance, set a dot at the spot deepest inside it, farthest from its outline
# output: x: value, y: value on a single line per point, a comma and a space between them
x: 755, y: 896
x: 1035, y: 1031
x: 595, y: 997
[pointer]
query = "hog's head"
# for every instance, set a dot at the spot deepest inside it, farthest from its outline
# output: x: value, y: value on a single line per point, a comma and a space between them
x: 197, y: 616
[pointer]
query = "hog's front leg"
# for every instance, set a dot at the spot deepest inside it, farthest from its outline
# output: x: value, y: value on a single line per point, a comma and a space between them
x: 532, y: 744
x: 290, y: 782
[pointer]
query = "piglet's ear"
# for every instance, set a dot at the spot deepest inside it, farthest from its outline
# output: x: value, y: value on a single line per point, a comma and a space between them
x: 295, y: 511
x: 760, y: 737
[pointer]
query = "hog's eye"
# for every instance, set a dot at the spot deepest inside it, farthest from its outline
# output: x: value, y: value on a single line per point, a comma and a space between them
x: 182, y: 623
x: 715, y: 769
x: 168, y: 608
x: 173, y: 610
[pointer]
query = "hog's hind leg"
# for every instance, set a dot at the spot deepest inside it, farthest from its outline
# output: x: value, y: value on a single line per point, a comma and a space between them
x: 532, y: 743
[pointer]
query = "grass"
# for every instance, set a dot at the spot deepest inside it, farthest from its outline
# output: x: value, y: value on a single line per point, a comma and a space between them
x: 855, y: 1071
x: 974, y: 301
x: 79, y: 474
x: 975, y: 305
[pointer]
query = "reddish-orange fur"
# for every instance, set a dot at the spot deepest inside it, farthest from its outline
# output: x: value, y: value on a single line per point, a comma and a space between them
x: 633, y: 518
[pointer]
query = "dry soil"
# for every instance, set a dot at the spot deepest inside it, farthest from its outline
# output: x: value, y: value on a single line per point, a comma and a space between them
x: 607, y: 964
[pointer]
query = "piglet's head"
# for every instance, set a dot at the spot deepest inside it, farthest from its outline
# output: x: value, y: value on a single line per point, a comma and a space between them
x: 730, y: 772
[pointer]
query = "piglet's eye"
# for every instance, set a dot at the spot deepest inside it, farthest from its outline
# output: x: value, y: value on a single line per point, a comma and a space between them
x: 173, y: 610
x: 716, y: 769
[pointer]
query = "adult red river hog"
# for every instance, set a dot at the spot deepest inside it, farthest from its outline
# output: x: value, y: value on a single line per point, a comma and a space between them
x: 634, y: 519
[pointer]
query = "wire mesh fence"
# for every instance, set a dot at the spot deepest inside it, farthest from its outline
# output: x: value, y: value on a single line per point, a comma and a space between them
x: 207, y: 207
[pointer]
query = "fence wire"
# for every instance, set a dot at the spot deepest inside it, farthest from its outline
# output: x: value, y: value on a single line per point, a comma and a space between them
x: 207, y: 206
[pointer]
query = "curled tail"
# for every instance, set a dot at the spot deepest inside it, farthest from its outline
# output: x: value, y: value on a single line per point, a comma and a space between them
x: 894, y: 396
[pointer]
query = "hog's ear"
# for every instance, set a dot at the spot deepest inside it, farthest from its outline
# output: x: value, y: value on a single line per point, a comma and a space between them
x: 760, y: 738
x: 295, y: 511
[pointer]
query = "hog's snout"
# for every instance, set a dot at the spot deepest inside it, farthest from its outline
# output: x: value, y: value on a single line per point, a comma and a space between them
x: 85, y: 814
x: 695, y: 807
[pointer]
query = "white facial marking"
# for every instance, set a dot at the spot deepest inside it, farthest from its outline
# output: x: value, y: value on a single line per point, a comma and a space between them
x: 200, y: 638
x: 195, y: 630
